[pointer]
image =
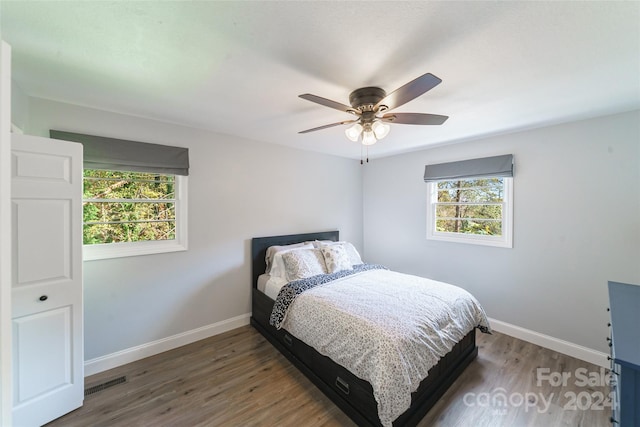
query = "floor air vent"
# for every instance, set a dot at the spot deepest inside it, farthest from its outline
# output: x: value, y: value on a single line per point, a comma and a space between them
x: 105, y: 385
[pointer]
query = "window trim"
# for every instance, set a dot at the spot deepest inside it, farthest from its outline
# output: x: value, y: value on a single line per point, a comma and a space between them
x: 504, y: 241
x: 128, y: 249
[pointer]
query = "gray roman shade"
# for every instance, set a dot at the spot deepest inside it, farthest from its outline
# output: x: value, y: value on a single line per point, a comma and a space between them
x: 474, y: 168
x: 123, y: 155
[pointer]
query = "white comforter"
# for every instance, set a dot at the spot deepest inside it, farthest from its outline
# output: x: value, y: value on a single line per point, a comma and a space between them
x: 386, y: 327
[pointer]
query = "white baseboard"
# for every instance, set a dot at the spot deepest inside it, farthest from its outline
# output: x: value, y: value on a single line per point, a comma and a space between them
x: 555, y: 344
x: 132, y: 354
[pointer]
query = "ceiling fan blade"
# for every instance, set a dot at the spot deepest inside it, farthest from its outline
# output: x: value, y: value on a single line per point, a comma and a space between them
x: 414, y: 118
x: 411, y: 90
x: 329, y: 103
x: 346, y: 122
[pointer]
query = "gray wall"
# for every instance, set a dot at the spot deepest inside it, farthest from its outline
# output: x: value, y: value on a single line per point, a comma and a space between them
x: 576, y: 214
x: 576, y: 225
x: 238, y: 189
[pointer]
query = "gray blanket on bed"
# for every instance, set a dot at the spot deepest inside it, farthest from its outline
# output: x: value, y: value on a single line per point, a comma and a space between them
x: 385, y: 327
x: 291, y: 290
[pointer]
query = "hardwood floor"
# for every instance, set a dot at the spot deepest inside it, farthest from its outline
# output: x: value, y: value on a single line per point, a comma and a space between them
x: 239, y: 379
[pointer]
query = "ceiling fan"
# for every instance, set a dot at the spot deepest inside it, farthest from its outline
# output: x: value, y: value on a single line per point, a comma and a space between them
x: 370, y: 105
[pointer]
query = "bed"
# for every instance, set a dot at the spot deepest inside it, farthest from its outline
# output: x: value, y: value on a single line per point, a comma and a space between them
x: 352, y: 394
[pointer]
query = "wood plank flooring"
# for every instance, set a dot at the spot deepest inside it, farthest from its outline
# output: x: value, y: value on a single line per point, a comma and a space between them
x: 239, y: 379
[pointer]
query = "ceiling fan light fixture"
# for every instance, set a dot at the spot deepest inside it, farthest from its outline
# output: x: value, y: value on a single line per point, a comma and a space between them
x: 353, y: 132
x: 368, y: 137
x: 380, y: 129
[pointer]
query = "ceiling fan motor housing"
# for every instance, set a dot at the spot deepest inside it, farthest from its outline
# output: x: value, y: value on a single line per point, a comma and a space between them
x: 364, y: 99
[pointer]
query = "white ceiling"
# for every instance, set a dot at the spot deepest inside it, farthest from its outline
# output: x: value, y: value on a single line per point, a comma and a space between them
x: 238, y: 67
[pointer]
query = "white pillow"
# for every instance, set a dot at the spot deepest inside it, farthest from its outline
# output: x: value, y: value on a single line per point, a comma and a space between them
x: 336, y: 258
x: 351, y: 250
x: 273, y: 250
x: 277, y: 265
x: 300, y: 264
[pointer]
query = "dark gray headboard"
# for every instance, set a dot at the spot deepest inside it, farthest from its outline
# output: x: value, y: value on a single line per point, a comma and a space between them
x: 259, y: 247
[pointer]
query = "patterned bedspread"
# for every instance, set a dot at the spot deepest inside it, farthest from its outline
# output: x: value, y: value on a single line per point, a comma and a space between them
x: 386, y: 327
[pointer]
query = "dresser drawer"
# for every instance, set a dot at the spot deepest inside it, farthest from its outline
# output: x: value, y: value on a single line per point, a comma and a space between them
x: 353, y: 389
x: 298, y: 348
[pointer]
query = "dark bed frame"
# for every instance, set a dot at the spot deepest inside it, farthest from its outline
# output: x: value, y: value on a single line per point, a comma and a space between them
x: 350, y: 393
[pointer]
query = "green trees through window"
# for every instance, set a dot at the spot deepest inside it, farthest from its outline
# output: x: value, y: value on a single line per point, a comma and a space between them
x: 128, y: 207
x: 472, y: 206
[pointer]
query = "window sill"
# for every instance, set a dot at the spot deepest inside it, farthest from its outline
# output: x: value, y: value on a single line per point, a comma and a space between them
x: 129, y: 249
x: 503, y: 242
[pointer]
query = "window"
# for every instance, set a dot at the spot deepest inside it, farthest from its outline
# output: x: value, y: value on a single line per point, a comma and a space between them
x: 471, y: 210
x: 135, y: 196
x: 470, y: 201
x: 132, y: 213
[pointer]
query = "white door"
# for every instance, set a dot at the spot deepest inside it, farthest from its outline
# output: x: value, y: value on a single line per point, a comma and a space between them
x: 46, y: 202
